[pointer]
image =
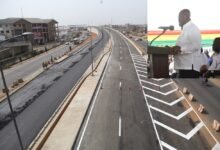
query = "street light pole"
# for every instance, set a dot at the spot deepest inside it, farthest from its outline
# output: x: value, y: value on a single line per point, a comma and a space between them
x: 11, y: 108
x: 91, y: 50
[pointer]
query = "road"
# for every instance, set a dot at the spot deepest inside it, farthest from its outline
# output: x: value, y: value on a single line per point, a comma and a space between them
x: 207, y: 95
x: 30, y: 66
x: 133, y: 112
x: 33, y: 118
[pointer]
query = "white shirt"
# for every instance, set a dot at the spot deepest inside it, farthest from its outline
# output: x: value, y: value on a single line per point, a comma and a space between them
x: 190, y: 43
x: 216, y: 63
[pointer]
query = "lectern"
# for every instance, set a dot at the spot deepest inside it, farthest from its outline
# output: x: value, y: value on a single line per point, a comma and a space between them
x: 159, y: 66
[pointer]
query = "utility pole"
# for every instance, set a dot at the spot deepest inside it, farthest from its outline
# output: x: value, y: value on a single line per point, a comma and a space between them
x: 91, y: 49
x: 11, y: 109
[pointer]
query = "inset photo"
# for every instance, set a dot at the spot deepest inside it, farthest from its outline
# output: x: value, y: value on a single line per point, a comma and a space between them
x: 183, y: 39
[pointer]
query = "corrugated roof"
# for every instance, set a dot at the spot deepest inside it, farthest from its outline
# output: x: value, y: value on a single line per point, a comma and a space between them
x: 31, y: 20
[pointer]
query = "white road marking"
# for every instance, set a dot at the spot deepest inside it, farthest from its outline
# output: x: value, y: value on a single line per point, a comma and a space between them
x: 141, y: 71
x: 120, y: 85
x: 151, y: 116
x: 120, y: 67
x: 141, y: 68
x: 168, y: 146
x: 186, y: 136
x: 119, y: 128
x: 139, y: 59
x: 161, y: 86
x: 162, y: 93
x: 180, y: 116
x: 143, y: 76
x: 140, y: 65
x: 164, y: 102
x: 93, y: 103
x: 158, y: 79
x: 140, y: 62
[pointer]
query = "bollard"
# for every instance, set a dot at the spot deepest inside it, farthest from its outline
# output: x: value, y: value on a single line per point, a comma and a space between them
x: 201, y: 108
x: 216, y: 125
x: 185, y: 90
x: 191, y: 97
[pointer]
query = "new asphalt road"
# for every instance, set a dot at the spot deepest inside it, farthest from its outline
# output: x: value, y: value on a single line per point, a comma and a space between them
x: 33, y: 118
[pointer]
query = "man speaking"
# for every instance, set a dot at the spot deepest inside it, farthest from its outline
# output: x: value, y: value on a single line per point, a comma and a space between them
x: 187, y: 52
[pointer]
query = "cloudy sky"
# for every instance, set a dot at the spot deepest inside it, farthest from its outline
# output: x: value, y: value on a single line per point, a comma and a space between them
x: 68, y: 12
x: 204, y: 13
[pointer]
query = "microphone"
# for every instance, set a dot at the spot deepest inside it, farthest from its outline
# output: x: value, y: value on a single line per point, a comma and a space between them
x: 167, y: 27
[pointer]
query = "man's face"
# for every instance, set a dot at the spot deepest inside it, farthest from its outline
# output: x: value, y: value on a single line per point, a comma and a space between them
x: 181, y: 19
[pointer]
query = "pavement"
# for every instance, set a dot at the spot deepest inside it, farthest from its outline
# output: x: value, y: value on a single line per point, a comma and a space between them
x: 43, y: 95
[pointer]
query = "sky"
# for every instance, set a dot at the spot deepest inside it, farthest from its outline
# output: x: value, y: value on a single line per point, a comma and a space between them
x: 205, y: 14
x: 71, y: 12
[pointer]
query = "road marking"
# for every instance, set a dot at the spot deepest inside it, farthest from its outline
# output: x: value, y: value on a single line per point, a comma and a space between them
x: 151, y: 116
x: 120, y: 85
x: 162, y: 93
x: 141, y: 68
x: 186, y: 136
x: 168, y: 146
x: 139, y: 59
x: 140, y: 62
x: 120, y: 67
x: 161, y: 86
x: 141, y: 65
x: 136, y: 55
x: 93, y: 103
x: 143, y: 76
x: 164, y: 102
x: 141, y: 71
x: 119, y: 128
x: 180, y: 116
x: 158, y: 79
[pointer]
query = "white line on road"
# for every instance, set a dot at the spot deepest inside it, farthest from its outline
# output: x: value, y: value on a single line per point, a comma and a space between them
x: 94, y: 101
x: 143, y: 75
x: 151, y: 116
x: 162, y: 93
x: 120, y: 85
x: 141, y: 71
x: 140, y: 62
x: 119, y: 126
x: 164, y: 85
x: 140, y: 65
x: 164, y: 102
x: 186, y: 136
x: 171, y: 115
x: 141, y: 68
x: 120, y: 67
x: 168, y: 146
x: 157, y: 79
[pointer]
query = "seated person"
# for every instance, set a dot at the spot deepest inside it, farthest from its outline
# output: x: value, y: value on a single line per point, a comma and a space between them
x: 205, y: 71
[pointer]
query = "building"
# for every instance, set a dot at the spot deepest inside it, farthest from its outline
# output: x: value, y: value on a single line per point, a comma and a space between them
x: 44, y: 30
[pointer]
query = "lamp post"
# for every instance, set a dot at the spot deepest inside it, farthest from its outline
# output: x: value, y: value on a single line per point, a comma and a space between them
x: 91, y: 50
x: 7, y: 92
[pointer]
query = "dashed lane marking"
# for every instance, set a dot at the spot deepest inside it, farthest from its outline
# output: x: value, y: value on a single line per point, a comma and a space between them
x: 186, y: 136
x: 180, y: 116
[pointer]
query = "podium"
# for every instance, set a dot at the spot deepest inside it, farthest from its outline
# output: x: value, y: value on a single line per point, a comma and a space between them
x: 159, y: 66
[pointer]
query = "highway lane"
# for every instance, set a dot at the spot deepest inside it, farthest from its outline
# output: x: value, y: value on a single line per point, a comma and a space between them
x: 32, y: 119
x: 119, y: 119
